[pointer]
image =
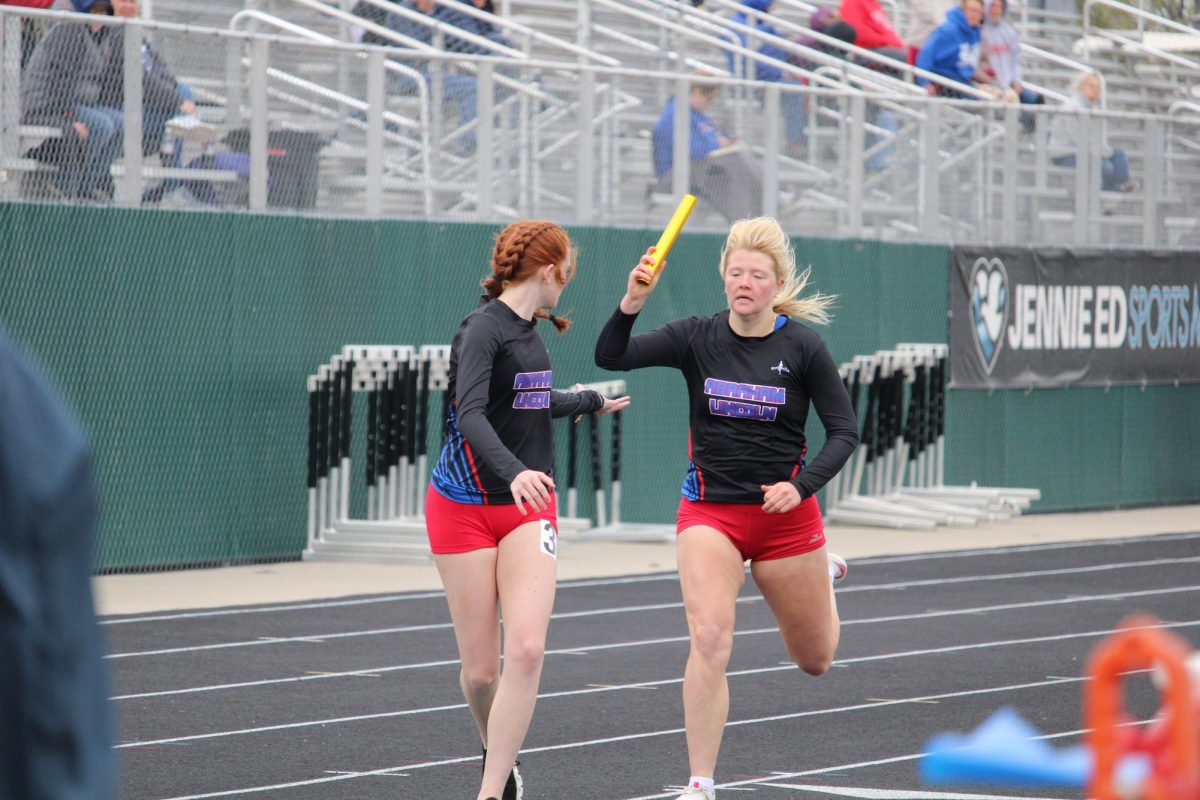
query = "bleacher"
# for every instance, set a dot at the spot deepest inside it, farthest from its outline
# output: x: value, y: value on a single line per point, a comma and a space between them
x: 576, y: 94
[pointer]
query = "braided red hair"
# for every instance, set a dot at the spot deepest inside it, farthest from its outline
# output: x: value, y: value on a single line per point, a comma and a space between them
x: 520, y: 250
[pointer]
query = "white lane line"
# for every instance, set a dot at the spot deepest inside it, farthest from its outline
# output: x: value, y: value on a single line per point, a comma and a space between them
x: 658, y: 576
x: 363, y: 601
x: 578, y: 650
x: 842, y: 767
x: 648, y: 684
x: 599, y: 690
x: 1028, y: 548
x: 897, y: 794
x: 1003, y: 576
x: 433, y: 626
x: 863, y: 764
x: 646, y: 735
x: 656, y: 607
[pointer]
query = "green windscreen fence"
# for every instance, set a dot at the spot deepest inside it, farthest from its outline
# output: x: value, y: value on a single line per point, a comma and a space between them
x: 184, y: 341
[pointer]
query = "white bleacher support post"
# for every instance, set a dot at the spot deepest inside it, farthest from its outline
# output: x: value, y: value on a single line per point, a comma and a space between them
x: 854, y: 163
x: 10, y: 97
x: 130, y: 191
x: 681, y: 145
x: 233, y: 83
x: 1153, y: 158
x: 1083, y: 176
x: 525, y: 182
x: 375, y: 104
x: 585, y: 186
x: 1098, y: 136
x: 437, y: 96
x: 484, y: 157
x: 771, y: 148
x: 1008, y: 202
x: 930, y: 174
x: 583, y: 20
x: 259, y: 58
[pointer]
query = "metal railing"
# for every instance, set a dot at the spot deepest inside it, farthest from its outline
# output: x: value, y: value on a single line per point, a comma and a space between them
x: 577, y: 150
x: 373, y: 153
x: 1132, y: 44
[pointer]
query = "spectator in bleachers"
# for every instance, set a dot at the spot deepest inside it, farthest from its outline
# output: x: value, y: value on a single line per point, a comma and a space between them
x: 924, y: 16
x: 952, y: 50
x: 827, y: 21
x: 458, y: 85
x: 873, y: 28
x: 475, y: 25
x: 791, y: 103
x: 163, y: 97
x: 61, y: 87
x: 1002, y: 48
x: 721, y: 175
x: 31, y: 29
x: 1063, y: 145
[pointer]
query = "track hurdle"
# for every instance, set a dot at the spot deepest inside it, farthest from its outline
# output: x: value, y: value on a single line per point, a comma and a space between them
x: 896, y: 476
x: 608, y: 523
x: 399, y: 385
x: 397, y: 381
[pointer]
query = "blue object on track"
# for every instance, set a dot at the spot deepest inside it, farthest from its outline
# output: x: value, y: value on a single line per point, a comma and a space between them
x: 1004, y: 750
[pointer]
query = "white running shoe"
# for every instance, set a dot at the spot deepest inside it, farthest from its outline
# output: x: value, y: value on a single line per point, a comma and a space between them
x: 837, y: 568
x: 514, y: 789
x: 696, y: 793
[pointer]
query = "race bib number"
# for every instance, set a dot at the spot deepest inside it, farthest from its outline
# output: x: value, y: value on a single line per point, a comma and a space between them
x: 549, y: 539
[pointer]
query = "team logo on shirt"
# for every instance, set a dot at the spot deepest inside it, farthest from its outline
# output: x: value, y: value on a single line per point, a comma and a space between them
x: 526, y: 385
x: 781, y: 368
x: 744, y: 400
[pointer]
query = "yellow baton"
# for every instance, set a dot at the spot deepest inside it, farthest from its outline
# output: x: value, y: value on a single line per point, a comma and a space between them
x: 671, y: 233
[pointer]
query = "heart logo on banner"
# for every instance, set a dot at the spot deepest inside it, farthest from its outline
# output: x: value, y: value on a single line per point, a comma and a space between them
x: 989, y: 308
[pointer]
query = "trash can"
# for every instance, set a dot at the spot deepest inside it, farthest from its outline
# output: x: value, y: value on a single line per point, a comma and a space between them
x: 292, y: 164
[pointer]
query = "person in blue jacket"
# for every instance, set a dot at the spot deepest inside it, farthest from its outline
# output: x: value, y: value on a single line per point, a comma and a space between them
x: 720, y: 172
x: 953, y: 49
x: 56, y: 733
x: 791, y: 103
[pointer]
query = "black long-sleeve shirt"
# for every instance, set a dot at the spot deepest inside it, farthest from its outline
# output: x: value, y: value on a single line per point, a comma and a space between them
x: 501, y: 407
x: 748, y: 400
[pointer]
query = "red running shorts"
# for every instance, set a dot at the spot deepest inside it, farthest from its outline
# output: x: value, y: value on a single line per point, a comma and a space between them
x: 462, y: 527
x: 757, y: 535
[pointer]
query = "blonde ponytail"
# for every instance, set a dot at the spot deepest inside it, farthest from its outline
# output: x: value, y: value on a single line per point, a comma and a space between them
x: 765, y: 235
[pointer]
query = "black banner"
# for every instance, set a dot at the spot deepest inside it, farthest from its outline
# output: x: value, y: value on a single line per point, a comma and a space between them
x: 1022, y: 318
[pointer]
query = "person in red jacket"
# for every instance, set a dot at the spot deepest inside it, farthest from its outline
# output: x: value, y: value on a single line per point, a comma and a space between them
x: 874, y: 29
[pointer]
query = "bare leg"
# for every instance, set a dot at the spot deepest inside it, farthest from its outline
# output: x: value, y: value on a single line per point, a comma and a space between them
x: 470, y: 583
x: 800, y: 595
x: 526, y: 580
x: 710, y: 573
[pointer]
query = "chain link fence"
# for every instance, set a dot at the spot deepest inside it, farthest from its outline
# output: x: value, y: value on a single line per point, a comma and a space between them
x: 271, y: 115
x: 185, y: 341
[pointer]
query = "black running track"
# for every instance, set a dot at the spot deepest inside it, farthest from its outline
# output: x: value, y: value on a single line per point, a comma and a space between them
x: 358, y: 699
